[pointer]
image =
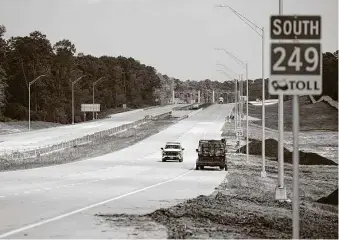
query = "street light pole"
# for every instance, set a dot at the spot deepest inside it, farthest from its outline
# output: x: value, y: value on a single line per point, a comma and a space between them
x: 93, y: 92
x: 74, y: 82
x: 29, y: 100
x: 235, y: 95
x: 245, y: 65
x: 247, y: 127
x: 262, y: 34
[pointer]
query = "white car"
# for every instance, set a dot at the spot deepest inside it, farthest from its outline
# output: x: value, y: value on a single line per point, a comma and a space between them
x: 172, y: 151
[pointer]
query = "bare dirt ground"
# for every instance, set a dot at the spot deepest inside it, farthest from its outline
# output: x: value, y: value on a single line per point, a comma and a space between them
x: 318, y: 116
x: 100, y: 147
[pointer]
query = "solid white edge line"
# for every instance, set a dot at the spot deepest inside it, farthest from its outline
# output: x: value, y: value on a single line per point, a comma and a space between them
x: 88, y: 207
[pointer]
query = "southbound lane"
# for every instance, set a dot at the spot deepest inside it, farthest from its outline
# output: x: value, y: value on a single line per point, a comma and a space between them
x: 60, y: 201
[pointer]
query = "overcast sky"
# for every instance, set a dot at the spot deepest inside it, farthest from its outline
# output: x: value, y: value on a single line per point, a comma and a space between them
x: 177, y: 37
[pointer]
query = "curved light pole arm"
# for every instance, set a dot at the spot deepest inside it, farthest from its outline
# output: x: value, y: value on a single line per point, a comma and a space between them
x: 232, y: 56
x: 74, y: 82
x: 36, y: 79
x: 29, y: 99
x: 224, y: 66
x: 243, y: 18
x: 226, y: 74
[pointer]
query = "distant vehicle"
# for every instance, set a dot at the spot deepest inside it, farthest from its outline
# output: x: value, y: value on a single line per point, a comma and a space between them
x: 221, y: 100
x: 173, y: 151
x: 211, y: 153
x: 195, y: 106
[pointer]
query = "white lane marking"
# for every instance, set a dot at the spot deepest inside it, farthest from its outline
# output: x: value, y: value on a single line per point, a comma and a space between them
x: 89, y: 207
x: 47, y: 188
x: 27, y: 192
x: 2, y: 196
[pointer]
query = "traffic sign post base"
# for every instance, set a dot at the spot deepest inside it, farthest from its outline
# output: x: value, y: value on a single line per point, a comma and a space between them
x: 263, y: 174
x: 280, y: 194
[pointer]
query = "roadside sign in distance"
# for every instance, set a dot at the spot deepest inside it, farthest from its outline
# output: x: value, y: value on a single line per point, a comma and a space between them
x: 239, y: 133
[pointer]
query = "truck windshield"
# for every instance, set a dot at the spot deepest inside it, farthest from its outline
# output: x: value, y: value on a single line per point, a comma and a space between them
x: 172, y: 147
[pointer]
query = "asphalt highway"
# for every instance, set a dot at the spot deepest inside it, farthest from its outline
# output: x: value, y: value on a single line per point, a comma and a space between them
x: 61, y: 201
x: 50, y: 136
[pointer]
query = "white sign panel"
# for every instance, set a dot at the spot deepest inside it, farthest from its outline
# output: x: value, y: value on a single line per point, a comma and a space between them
x: 90, y: 107
x: 296, y: 67
x: 239, y: 132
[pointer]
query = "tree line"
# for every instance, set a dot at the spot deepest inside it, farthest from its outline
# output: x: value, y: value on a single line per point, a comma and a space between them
x: 124, y: 80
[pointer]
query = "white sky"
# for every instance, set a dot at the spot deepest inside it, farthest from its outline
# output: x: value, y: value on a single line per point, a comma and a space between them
x: 177, y: 37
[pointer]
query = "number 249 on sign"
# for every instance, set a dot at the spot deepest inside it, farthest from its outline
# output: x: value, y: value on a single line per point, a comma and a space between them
x: 296, y: 59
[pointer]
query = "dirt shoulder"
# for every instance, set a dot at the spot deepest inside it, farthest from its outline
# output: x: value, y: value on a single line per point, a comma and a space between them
x: 317, y: 116
x: 96, y: 148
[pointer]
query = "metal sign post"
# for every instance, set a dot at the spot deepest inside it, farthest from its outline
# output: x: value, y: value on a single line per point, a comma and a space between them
x: 280, y: 191
x: 296, y: 69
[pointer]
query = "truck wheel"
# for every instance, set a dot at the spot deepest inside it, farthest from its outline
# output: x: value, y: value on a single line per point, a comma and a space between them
x: 221, y: 167
x: 180, y: 160
x: 196, y: 167
x: 163, y: 160
x: 226, y: 168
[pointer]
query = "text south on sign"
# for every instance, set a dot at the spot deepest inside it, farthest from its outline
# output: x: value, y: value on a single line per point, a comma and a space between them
x: 296, y: 27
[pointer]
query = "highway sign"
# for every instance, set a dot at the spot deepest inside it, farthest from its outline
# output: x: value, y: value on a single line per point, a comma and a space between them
x: 239, y: 132
x: 295, y: 27
x: 90, y: 107
x: 296, y: 67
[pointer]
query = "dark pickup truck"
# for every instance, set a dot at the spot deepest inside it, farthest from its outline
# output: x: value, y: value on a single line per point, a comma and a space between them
x: 211, y: 153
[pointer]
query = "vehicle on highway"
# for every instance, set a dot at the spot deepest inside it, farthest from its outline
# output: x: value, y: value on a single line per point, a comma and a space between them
x: 221, y: 100
x: 211, y: 153
x: 195, y: 106
x: 173, y: 151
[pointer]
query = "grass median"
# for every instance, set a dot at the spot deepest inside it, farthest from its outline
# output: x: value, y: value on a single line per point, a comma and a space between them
x: 95, y: 148
x: 313, y: 117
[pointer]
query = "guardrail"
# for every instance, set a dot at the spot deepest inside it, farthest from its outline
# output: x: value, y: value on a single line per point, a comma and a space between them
x: 36, y: 152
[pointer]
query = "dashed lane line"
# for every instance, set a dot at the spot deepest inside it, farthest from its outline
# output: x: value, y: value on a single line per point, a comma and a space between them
x: 65, y: 185
x: 27, y: 227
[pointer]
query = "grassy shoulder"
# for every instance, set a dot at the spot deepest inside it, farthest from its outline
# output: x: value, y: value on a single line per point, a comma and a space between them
x: 99, y: 147
x: 318, y: 116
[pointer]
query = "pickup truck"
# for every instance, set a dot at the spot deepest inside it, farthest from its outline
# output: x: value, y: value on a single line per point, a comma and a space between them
x: 173, y: 151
